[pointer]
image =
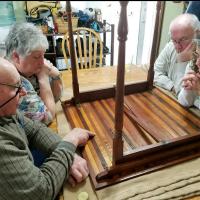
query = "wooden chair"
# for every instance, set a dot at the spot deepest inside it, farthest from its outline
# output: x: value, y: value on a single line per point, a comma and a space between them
x: 88, y: 48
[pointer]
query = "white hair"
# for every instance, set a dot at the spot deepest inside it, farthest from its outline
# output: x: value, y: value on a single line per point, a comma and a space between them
x: 186, y: 19
x: 25, y: 38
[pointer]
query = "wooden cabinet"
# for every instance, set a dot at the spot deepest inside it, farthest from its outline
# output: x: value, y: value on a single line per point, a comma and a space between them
x: 54, y: 53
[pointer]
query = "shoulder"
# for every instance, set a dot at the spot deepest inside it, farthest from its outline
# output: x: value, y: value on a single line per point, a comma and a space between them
x: 169, y: 47
x: 34, y: 81
x: 26, y: 84
x: 168, y: 51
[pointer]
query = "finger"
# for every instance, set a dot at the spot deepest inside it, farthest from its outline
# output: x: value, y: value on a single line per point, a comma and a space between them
x: 86, y: 169
x: 191, y: 72
x: 188, y: 77
x: 84, y: 172
x: 77, y: 175
x: 189, y: 85
x: 72, y: 181
x: 91, y: 134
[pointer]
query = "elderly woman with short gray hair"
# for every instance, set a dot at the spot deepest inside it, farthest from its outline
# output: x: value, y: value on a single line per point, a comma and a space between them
x: 25, y: 48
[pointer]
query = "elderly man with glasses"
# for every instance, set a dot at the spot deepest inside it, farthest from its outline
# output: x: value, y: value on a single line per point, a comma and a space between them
x: 25, y: 48
x: 170, y: 65
x: 20, y: 178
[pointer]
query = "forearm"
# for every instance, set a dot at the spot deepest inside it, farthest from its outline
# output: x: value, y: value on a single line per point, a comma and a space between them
x: 186, y: 97
x: 163, y: 81
x: 57, y: 88
x: 46, y: 94
x: 31, y: 182
x: 56, y: 82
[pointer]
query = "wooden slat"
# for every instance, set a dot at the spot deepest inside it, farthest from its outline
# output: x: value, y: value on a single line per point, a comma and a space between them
x: 151, y: 111
x: 177, y: 108
x: 150, y: 119
x: 90, y: 50
x: 170, y: 115
x: 80, y: 50
x: 85, y: 50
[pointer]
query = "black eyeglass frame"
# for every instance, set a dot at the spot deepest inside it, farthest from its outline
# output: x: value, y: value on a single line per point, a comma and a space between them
x: 19, y: 87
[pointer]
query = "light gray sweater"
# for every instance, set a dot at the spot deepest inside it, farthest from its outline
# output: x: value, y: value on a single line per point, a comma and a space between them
x: 168, y: 72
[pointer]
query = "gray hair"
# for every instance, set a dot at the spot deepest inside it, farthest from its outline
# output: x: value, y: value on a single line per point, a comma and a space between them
x: 186, y: 19
x: 25, y: 38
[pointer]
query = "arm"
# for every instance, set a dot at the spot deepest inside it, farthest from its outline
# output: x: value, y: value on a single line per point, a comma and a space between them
x: 162, y: 67
x: 45, y: 91
x: 190, y: 89
x: 79, y: 170
x: 55, y: 80
x: 186, y: 97
x: 20, y: 179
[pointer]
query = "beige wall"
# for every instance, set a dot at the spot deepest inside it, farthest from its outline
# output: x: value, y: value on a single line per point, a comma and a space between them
x: 171, y: 11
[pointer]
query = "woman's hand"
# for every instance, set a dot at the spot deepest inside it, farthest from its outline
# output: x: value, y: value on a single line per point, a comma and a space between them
x: 48, y: 69
x: 191, y: 81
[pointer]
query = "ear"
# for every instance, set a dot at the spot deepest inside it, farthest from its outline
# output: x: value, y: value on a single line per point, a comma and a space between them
x: 15, y: 57
x: 198, y: 34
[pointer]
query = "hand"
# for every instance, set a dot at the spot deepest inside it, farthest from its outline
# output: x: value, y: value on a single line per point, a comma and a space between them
x: 48, y: 69
x: 79, y: 170
x: 198, y: 64
x: 191, y: 81
x: 186, y: 54
x: 78, y: 136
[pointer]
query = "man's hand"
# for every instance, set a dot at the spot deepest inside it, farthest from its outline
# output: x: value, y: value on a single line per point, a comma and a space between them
x: 78, y: 136
x: 79, y: 170
x: 186, y: 54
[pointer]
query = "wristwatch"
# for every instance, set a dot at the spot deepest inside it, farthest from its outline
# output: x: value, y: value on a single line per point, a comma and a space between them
x: 56, y: 77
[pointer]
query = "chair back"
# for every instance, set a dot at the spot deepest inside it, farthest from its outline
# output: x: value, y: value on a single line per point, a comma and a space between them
x: 88, y: 48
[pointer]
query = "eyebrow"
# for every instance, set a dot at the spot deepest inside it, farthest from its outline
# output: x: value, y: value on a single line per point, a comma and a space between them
x: 16, y: 85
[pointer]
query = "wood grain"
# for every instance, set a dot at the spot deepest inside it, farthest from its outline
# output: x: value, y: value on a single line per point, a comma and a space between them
x: 151, y: 114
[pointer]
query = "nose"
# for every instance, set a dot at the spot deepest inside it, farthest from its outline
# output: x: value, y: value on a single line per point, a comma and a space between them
x: 22, y: 92
x: 41, y: 62
x: 178, y: 47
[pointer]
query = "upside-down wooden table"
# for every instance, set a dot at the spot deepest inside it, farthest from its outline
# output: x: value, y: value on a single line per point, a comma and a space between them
x: 139, y: 129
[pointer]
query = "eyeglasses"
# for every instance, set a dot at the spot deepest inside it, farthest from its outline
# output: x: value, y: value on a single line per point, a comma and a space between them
x: 19, y: 88
x: 182, y: 41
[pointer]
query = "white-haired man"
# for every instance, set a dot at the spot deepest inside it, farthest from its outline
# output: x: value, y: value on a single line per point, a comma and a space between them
x: 170, y: 65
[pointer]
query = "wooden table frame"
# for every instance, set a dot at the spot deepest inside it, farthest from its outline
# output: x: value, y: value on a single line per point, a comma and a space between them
x: 168, y: 152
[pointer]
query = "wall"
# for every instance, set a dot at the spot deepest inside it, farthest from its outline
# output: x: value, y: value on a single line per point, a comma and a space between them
x: 10, y: 12
x: 171, y: 11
